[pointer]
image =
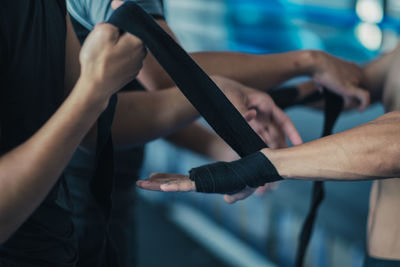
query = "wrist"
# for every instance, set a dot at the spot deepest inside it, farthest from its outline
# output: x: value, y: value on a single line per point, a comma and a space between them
x: 309, y: 61
x: 90, y: 92
x: 277, y: 158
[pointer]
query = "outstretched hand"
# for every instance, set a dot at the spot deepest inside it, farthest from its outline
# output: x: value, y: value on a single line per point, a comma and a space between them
x: 167, y: 182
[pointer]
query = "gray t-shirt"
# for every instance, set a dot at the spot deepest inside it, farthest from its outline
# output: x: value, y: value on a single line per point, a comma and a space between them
x: 90, y: 12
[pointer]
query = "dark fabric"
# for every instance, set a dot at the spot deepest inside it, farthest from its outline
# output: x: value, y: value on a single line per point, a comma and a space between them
x: 32, y: 88
x: 231, y: 177
x: 333, y: 107
x: 286, y: 97
x: 375, y: 262
x: 102, y: 183
x: 191, y: 80
x: 87, y: 218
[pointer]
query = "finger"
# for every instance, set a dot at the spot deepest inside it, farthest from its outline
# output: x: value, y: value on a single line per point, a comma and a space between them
x: 252, y: 101
x: 255, y: 125
x: 149, y: 185
x: 267, y: 188
x: 285, y: 123
x: 129, y: 41
x: 363, y: 97
x: 156, y: 180
x: 250, y: 114
x: 262, y: 190
x: 106, y: 32
x: 185, y: 185
x: 157, y: 175
x: 277, y: 137
x: 116, y: 4
x: 230, y: 199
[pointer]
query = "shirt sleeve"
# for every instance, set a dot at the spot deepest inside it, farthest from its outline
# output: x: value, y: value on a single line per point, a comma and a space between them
x: 90, y: 12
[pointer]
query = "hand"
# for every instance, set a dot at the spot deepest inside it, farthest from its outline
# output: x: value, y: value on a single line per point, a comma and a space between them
x: 110, y: 59
x: 248, y: 191
x: 270, y: 122
x: 181, y: 183
x: 167, y: 183
x: 258, y: 108
x: 307, y: 88
x: 340, y: 76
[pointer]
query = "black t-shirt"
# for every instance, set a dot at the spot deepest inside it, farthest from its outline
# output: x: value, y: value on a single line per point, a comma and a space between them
x: 32, y: 62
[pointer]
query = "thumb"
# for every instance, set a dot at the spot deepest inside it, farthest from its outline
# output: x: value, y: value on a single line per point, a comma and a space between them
x: 250, y: 114
x: 116, y: 4
x: 363, y: 97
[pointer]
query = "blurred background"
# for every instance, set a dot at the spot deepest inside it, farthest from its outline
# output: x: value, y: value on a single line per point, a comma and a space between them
x: 202, y: 230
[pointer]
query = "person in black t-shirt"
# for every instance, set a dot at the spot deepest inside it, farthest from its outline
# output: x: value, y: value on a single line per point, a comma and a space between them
x: 49, y: 101
x: 40, y: 130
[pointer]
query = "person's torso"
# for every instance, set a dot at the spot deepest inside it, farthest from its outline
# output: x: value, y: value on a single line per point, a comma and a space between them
x: 384, y: 215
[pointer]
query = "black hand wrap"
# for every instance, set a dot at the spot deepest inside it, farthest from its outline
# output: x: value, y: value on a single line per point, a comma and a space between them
x: 230, y: 177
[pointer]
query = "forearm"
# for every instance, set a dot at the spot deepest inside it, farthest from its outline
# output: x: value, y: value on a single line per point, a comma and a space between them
x: 258, y: 71
x: 197, y: 138
x: 29, y: 171
x: 263, y: 72
x: 144, y: 116
x: 370, y: 151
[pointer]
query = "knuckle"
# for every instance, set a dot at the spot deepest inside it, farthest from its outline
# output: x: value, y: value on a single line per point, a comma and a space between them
x: 107, y: 30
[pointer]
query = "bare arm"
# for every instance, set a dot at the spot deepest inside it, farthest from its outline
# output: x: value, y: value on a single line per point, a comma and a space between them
x: 197, y: 138
x: 265, y: 72
x: 367, y: 152
x: 370, y: 151
x: 44, y: 156
x: 143, y: 116
x: 46, y: 153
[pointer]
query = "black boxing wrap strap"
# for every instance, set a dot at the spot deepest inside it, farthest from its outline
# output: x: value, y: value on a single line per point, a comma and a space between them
x: 333, y: 107
x: 194, y: 83
x: 102, y: 181
x: 286, y: 97
x: 201, y: 91
x: 230, y: 177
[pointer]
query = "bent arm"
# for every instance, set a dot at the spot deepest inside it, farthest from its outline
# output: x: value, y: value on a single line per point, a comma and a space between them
x: 29, y: 171
x: 144, y: 116
x: 370, y: 151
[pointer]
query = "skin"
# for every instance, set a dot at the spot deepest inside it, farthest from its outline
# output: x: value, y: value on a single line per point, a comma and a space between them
x: 262, y: 72
x: 48, y: 151
x: 368, y: 152
x: 104, y: 61
x: 107, y: 61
